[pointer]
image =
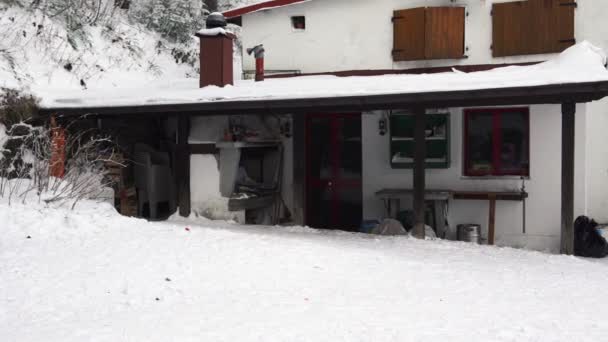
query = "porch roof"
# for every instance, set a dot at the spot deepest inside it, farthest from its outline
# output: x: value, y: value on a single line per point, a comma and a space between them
x: 577, y: 75
x: 258, y: 6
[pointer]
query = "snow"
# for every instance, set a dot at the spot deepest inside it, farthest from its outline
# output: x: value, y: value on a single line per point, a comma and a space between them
x: 93, y: 275
x: 241, y: 4
x: 216, y: 31
x: 113, y: 53
x: 3, y: 139
x: 205, y: 195
x: 580, y: 63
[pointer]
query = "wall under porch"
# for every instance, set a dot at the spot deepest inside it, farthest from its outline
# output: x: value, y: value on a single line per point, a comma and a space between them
x: 597, y: 160
x: 543, y: 206
x: 208, y: 130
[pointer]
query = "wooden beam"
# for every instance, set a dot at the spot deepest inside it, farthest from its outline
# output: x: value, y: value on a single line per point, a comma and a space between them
x: 299, y: 169
x: 182, y: 167
x: 203, y: 149
x: 567, y: 232
x: 491, y: 219
x: 487, y: 195
x: 419, y: 181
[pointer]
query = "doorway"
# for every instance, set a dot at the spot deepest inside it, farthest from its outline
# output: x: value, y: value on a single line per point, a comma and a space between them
x: 334, y: 171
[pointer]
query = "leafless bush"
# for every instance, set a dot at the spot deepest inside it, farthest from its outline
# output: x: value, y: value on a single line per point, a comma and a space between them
x: 25, y: 169
x: 16, y: 107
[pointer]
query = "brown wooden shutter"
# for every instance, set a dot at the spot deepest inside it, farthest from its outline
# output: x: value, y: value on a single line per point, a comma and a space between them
x: 507, y: 26
x: 532, y: 27
x: 444, y: 31
x: 565, y: 24
x: 408, y: 34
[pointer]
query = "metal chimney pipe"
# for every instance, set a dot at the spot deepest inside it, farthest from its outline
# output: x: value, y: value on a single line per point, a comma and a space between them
x: 258, y: 53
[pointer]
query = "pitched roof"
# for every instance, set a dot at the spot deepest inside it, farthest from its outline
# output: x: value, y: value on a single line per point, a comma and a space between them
x: 237, y: 12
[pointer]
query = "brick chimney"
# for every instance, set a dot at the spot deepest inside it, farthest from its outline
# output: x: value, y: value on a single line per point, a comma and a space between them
x: 216, y: 52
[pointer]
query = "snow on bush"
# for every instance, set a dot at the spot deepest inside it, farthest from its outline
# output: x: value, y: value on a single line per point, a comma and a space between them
x: 79, y: 46
x: 26, y: 160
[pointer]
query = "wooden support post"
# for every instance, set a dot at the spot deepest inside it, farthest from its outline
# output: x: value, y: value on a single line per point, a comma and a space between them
x: 183, y: 165
x: 492, y: 219
x: 568, y: 122
x: 419, y: 181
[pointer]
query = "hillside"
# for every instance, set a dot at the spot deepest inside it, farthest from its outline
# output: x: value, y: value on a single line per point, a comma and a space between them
x: 54, y: 44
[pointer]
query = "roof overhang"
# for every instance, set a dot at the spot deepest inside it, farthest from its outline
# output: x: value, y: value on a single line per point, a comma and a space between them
x: 265, y: 5
x: 529, y: 95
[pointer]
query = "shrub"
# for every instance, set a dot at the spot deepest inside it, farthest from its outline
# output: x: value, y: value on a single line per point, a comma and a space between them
x: 16, y: 107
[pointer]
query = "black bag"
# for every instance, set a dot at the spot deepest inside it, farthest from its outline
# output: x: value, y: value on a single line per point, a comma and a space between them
x: 588, y: 242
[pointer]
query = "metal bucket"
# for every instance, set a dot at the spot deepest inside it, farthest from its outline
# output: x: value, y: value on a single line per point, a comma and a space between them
x: 469, y: 233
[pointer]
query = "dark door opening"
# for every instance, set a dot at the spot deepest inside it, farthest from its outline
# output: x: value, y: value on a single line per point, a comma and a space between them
x: 334, y: 165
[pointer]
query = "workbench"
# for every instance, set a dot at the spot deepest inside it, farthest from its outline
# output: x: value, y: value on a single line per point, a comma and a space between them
x: 441, y: 197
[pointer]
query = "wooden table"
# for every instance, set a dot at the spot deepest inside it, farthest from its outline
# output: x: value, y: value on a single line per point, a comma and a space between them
x: 491, y: 196
x: 389, y: 195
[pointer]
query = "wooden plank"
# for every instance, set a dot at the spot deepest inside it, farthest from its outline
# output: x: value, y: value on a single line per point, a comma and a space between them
x: 408, y: 34
x: 481, y: 195
x: 299, y: 169
x: 531, y: 27
x: 444, y: 32
x: 565, y: 24
x: 491, y: 219
x: 183, y: 166
x: 203, y: 149
x: 236, y: 204
x: 419, y: 179
x: 567, y: 219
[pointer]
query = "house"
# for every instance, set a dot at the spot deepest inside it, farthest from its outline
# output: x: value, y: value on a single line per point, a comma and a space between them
x: 412, y: 127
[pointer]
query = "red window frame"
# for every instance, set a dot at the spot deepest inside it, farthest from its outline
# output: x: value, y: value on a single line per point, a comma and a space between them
x: 496, y: 142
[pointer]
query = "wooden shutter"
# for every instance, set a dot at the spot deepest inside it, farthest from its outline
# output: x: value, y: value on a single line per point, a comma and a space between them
x: 408, y: 34
x: 444, y: 31
x: 565, y: 24
x: 532, y: 27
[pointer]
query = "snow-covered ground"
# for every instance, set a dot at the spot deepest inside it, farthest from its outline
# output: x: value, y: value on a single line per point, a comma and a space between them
x: 92, y: 275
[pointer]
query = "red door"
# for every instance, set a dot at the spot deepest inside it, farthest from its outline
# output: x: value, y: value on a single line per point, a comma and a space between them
x: 334, y: 196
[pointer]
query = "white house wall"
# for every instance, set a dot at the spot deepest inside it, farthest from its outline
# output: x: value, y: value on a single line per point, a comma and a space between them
x: 597, y: 161
x: 358, y: 34
x: 543, y: 207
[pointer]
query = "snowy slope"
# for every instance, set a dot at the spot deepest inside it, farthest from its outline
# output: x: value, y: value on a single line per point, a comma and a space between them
x: 110, y: 54
x: 92, y: 275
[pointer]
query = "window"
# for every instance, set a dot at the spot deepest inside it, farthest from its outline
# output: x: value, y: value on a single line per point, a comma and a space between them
x: 496, y: 142
x: 532, y: 27
x: 428, y: 33
x: 298, y: 23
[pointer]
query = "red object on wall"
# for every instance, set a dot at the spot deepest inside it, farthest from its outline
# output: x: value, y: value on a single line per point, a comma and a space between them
x: 259, y: 69
x: 216, y: 60
x: 58, y: 142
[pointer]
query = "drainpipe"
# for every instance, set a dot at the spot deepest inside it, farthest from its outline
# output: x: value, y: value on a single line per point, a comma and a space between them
x: 258, y: 53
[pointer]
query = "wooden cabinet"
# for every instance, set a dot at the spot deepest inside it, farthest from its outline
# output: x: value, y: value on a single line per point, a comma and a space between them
x: 437, y: 133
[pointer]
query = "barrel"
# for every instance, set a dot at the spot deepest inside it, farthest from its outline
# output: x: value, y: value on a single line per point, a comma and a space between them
x: 469, y: 233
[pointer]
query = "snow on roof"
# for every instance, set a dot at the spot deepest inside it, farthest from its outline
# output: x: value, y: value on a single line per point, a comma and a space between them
x: 264, y: 5
x: 579, y: 64
x: 216, y: 31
